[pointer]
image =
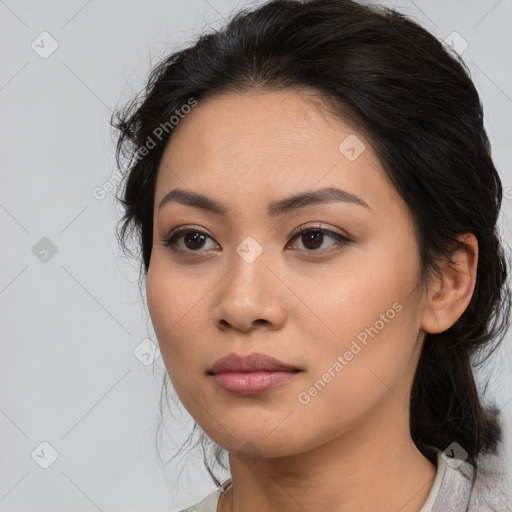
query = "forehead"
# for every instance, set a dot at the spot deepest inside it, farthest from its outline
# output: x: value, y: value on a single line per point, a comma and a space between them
x: 260, y: 142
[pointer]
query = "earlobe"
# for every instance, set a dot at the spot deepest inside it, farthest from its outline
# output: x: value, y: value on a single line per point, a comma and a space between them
x: 450, y: 292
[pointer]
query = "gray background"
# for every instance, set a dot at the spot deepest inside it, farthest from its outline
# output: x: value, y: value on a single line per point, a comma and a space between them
x: 75, y: 371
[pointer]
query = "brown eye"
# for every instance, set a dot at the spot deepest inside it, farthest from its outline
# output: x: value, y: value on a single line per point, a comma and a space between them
x: 313, y: 238
x: 193, y: 239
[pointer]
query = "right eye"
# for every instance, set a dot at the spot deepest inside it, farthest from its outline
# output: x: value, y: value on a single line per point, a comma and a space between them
x: 193, y: 239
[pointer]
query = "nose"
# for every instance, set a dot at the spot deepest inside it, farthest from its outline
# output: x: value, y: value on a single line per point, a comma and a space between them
x: 250, y: 297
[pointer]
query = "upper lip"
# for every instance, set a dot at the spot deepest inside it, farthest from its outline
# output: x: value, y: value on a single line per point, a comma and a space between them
x: 250, y: 363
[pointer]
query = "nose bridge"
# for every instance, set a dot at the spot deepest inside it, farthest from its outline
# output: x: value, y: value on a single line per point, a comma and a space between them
x: 248, y: 292
x: 249, y: 268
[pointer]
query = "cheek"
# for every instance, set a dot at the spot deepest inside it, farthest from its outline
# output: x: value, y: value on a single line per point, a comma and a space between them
x: 364, y: 367
x: 173, y: 305
x: 365, y: 312
x: 352, y: 296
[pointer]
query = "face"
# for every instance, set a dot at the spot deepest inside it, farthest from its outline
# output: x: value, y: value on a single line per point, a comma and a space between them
x: 340, y: 302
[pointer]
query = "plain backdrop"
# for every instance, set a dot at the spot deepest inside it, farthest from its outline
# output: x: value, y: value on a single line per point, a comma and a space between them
x: 80, y: 378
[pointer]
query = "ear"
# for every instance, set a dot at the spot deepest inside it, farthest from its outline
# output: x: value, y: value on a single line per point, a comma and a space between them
x: 449, y: 294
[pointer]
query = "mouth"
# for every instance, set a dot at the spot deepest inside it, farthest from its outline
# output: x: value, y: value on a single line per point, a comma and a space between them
x: 252, y: 374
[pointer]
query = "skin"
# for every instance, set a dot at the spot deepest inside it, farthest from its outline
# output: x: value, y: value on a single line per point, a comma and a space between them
x: 350, y: 447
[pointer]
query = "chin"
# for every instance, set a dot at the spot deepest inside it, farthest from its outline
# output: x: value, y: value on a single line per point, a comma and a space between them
x: 255, y: 443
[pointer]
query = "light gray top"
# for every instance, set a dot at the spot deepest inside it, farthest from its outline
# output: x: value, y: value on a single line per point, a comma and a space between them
x: 452, y: 490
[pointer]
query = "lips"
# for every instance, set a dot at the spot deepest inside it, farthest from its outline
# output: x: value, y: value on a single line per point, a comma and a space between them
x: 251, y: 363
x: 252, y: 374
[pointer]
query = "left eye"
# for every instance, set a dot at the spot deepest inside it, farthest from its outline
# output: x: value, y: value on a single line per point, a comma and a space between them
x: 312, y: 239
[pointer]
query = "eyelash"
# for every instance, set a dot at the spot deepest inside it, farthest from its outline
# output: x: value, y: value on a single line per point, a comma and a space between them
x: 341, y: 241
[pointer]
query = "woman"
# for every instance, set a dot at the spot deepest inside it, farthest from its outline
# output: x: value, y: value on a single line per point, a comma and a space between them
x: 316, y: 207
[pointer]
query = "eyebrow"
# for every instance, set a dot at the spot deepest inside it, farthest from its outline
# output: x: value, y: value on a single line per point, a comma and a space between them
x: 275, y: 208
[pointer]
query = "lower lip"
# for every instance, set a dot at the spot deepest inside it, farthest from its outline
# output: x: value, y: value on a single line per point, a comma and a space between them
x: 252, y: 383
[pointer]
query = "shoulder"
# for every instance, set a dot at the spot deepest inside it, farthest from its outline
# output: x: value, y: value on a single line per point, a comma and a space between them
x: 491, y: 489
x: 208, y: 504
x: 466, y: 488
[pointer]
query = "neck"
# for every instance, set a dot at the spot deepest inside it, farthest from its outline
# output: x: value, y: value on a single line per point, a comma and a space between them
x: 375, y: 466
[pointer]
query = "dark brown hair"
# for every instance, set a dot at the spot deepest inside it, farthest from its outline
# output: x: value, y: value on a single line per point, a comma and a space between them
x: 415, y: 101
